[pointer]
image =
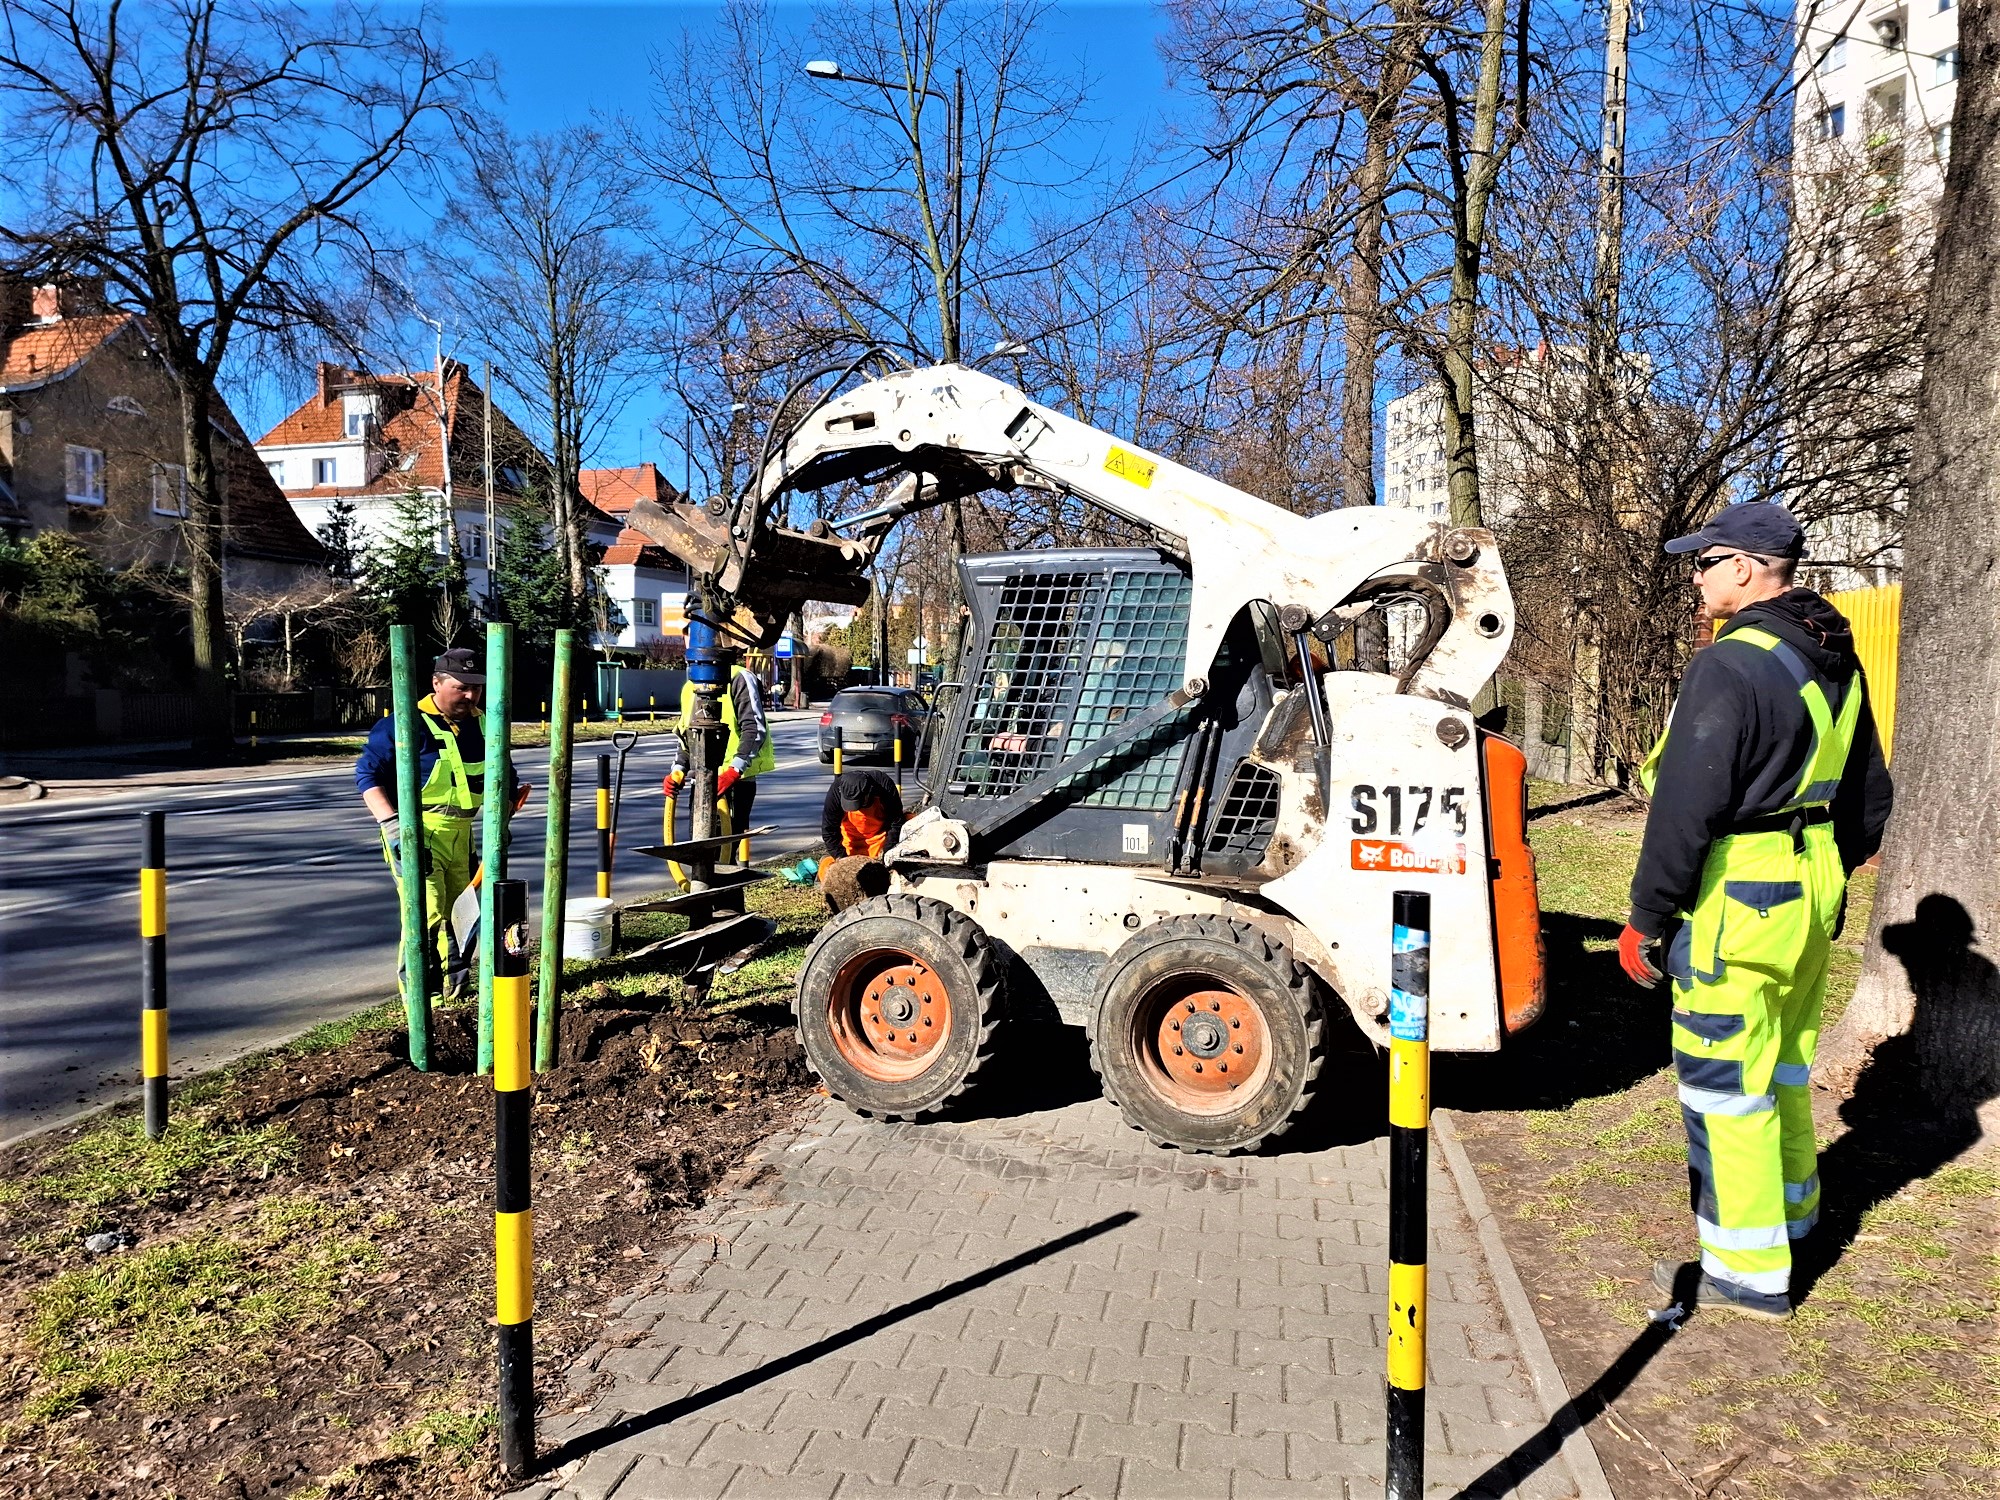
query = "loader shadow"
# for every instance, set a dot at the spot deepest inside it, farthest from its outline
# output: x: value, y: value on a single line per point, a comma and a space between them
x: 1599, y: 1035
x: 591, y: 1442
x: 1915, y: 1106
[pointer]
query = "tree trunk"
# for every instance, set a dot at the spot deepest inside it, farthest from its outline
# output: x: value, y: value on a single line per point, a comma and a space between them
x: 1482, y: 171
x: 208, y: 628
x: 1938, y: 898
x: 1361, y: 318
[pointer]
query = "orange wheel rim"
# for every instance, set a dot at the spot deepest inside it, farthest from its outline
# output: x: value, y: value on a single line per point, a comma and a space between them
x: 889, y: 1013
x: 1205, y: 1048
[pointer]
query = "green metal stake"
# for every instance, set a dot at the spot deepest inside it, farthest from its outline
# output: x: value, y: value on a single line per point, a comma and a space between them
x: 495, y: 807
x: 555, y: 866
x: 418, y: 961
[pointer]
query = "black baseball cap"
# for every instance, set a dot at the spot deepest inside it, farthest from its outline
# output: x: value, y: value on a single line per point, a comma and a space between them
x: 460, y: 665
x: 857, y: 790
x: 1761, y: 526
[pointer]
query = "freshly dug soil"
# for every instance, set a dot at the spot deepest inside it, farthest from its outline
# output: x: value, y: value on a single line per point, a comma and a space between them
x: 645, y: 1114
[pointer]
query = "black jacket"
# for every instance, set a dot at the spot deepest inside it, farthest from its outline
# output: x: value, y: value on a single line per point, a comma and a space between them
x: 1737, y: 749
x: 887, y: 800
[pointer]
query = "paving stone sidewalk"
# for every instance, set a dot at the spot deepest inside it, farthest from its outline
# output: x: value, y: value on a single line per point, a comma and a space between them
x: 1043, y: 1305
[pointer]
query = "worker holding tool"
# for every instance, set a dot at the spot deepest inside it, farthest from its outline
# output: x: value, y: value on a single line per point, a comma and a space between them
x: 749, y: 753
x: 451, y: 767
x: 1768, y: 789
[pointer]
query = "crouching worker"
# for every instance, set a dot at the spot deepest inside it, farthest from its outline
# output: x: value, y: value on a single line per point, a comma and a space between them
x: 451, y: 775
x: 862, y: 818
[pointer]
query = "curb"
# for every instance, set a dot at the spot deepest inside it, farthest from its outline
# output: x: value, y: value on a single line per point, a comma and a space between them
x: 1543, y: 1373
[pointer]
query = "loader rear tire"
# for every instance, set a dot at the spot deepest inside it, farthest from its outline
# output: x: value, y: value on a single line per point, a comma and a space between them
x: 1207, y: 1034
x: 897, y: 1006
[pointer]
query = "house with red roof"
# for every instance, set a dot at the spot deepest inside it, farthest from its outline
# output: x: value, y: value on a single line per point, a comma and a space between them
x: 647, y: 583
x: 373, y: 437
x: 90, y: 444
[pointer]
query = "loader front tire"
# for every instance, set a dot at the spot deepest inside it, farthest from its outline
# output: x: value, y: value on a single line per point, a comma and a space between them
x: 897, y: 1006
x: 1207, y: 1034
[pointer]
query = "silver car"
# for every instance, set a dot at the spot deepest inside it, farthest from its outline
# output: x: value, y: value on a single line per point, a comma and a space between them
x: 871, y: 720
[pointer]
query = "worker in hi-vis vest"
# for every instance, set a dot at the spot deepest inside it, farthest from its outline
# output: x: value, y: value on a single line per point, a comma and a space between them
x: 1768, y: 788
x: 451, y: 771
x: 749, y: 753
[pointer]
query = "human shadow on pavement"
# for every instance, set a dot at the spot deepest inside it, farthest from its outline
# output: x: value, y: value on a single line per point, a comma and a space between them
x: 1915, y: 1105
x: 1510, y: 1473
x: 590, y: 1442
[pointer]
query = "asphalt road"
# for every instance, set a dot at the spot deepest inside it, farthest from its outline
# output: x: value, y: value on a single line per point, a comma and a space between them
x: 281, y: 913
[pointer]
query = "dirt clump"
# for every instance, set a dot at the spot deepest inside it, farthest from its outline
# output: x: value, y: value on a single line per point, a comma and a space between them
x: 302, y: 1298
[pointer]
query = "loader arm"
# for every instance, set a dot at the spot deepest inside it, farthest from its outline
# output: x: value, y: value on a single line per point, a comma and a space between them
x: 938, y: 434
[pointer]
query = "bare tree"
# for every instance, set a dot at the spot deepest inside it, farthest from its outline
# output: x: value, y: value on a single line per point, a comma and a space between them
x: 208, y: 161
x: 1767, y: 343
x: 1372, y: 138
x: 550, y: 273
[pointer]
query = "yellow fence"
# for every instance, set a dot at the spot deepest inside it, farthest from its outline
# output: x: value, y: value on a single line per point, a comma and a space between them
x: 1876, y: 616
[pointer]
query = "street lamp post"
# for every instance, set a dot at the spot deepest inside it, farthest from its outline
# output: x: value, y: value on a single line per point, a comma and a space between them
x: 950, y: 313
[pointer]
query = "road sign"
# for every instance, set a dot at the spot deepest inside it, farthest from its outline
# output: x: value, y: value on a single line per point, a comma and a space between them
x: 784, y: 647
x: 916, y: 656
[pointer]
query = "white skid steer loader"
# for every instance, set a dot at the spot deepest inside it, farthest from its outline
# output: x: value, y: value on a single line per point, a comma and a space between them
x: 1166, y: 796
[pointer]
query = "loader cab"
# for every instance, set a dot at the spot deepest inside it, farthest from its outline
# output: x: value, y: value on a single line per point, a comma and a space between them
x: 1063, y: 647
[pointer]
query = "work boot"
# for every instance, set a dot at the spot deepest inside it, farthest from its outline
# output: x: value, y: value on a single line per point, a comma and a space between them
x: 1670, y: 1276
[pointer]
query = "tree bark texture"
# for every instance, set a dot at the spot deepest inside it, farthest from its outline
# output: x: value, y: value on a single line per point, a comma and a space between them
x: 208, y: 625
x: 1475, y: 195
x: 1929, y: 976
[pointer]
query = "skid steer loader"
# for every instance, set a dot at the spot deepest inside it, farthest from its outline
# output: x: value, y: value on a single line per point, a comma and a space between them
x: 1168, y: 796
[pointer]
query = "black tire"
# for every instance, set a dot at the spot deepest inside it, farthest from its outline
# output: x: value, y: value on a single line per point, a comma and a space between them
x: 826, y: 757
x: 1213, y: 977
x: 956, y: 984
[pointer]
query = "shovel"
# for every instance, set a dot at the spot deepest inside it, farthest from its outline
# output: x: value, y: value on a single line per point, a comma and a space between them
x: 465, y: 910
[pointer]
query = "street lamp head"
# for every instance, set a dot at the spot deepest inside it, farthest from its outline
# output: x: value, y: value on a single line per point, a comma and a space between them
x: 1009, y: 347
x: 821, y: 67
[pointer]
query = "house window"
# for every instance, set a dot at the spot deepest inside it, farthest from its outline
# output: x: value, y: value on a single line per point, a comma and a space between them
x: 324, y: 470
x: 1834, y: 58
x: 83, y: 475
x: 1941, y: 140
x: 475, y: 541
x: 1833, y: 122
x: 1947, y: 66
x: 513, y: 477
x: 1945, y: 5
x: 170, y: 488
x: 277, y: 472
x: 642, y: 611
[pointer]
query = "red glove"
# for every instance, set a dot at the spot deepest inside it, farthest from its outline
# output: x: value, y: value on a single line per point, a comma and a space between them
x: 729, y: 777
x: 1635, y: 959
x: 671, y: 782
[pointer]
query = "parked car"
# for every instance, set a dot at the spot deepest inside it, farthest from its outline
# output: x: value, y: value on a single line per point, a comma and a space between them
x: 871, y: 720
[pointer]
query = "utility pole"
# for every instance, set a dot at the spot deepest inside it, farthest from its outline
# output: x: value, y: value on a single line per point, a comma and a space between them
x: 1599, y: 468
x: 492, y: 513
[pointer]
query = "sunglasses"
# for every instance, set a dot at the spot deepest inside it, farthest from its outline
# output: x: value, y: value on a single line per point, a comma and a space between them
x: 1703, y: 564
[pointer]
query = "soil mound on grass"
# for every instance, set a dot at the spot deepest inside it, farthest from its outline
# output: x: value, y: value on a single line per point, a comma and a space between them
x: 303, y: 1293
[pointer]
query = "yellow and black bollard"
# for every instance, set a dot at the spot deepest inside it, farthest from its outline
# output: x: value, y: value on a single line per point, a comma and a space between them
x: 1409, y: 1164
x: 513, y: 1211
x: 838, y: 749
x: 603, y: 825
x: 897, y: 740
x: 153, y: 972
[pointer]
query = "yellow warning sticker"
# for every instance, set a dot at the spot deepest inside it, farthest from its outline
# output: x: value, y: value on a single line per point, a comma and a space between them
x: 1129, y: 466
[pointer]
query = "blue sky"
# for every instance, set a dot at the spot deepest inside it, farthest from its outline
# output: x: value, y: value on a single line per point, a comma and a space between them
x: 561, y: 63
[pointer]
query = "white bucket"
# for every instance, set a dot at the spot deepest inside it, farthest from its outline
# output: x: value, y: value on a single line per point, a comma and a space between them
x: 587, y: 927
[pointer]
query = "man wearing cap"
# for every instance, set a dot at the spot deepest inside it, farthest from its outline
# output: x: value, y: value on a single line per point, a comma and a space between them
x: 861, y: 819
x: 1768, y: 788
x: 451, y: 771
